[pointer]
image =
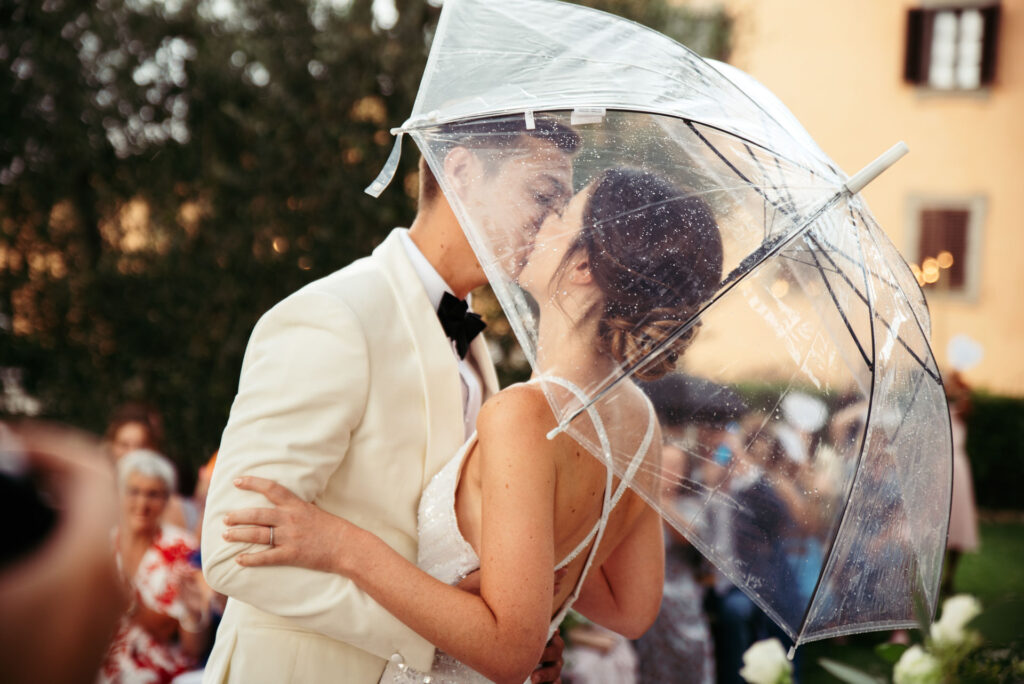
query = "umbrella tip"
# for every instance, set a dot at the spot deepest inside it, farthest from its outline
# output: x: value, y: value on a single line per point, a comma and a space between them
x: 791, y: 654
x: 872, y: 170
x: 557, y: 431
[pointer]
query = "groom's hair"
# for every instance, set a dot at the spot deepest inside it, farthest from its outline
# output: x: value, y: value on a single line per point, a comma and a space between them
x: 496, y: 135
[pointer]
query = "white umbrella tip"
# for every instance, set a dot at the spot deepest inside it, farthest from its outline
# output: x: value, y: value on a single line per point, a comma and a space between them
x: 875, y: 168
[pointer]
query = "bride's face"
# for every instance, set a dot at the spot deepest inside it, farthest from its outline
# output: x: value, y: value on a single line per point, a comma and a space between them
x: 550, y: 245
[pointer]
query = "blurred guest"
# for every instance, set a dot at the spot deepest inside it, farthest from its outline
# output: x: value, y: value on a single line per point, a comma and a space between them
x: 139, y: 425
x: 202, y: 489
x: 60, y: 597
x: 164, y: 629
x: 963, y: 516
x: 134, y: 425
x: 759, y: 533
x: 595, y: 655
x: 215, y: 601
x: 678, y: 645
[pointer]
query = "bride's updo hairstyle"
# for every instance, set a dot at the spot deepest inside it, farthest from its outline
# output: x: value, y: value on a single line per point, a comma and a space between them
x: 656, y: 255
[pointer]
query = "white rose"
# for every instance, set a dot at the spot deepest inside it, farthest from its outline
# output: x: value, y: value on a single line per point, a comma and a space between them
x: 957, y: 611
x: 917, y: 666
x: 765, y: 662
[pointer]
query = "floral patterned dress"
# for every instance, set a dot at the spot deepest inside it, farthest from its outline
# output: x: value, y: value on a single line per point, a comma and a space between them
x: 135, y: 657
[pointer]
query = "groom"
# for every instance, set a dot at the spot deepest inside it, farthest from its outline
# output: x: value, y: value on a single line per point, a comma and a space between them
x: 352, y: 397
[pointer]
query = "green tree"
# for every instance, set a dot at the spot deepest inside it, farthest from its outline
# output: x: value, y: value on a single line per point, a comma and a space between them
x: 168, y: 173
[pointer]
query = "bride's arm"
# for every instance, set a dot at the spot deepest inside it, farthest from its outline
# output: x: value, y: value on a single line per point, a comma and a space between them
x: 500, y: 633
x: 624, y: 594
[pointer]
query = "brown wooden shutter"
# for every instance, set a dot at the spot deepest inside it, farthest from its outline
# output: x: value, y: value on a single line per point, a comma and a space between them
x: 915, y: 66
x: 990, y: 44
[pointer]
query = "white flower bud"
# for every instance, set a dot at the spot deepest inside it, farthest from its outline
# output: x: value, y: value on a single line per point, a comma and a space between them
x: 917, y: 666
x: 765, y: 662
x: 957, y: 611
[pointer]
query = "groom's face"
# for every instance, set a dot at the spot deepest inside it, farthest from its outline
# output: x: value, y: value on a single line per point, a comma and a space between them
x: 508, y: 194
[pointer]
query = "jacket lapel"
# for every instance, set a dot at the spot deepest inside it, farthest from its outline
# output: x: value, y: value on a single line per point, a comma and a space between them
x: 439, y: 373
x: 480, y: 356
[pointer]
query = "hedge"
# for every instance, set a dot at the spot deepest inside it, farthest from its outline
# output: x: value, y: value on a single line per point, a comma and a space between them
x: 995, y: 446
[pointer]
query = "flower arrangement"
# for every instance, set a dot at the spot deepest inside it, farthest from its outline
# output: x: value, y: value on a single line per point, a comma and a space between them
x: 952, y: 652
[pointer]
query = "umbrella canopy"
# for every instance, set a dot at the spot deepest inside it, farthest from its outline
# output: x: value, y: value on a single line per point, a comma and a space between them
x: 642, y: 213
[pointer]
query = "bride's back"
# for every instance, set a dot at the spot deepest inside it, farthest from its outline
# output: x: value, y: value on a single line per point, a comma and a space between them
x: 580, y: 478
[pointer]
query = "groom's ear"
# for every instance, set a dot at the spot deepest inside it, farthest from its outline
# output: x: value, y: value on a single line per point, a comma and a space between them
x: 462, y: 169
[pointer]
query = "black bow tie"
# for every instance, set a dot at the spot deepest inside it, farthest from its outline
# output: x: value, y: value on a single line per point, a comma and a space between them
x: 459, y: 323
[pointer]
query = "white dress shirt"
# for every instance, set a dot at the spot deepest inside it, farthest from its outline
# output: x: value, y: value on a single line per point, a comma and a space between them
x: 434, y: 284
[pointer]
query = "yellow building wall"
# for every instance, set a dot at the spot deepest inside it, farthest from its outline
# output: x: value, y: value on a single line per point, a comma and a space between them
x: 838, y: 65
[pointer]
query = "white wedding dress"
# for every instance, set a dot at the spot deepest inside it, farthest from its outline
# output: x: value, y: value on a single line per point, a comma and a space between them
x: 446, y: 555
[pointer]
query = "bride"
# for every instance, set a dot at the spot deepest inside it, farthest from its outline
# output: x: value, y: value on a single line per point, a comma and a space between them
x: 613, y: 275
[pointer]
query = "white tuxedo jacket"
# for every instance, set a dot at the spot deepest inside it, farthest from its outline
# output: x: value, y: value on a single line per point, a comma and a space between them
x: 349, y: 396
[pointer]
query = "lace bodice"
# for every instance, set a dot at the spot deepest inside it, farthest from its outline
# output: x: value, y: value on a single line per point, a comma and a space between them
x: 446, y: 555
x: 443, y: 552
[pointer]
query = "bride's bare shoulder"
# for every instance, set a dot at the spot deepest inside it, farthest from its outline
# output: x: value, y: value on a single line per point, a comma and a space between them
x: 519, y: 413
x: 525, y: 402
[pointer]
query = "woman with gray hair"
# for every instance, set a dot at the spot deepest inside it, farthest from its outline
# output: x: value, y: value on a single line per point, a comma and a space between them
x: 164, y: 629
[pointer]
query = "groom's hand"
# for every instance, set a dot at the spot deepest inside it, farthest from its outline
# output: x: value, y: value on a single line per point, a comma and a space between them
x: 296, y: 532
x: 550, y: 667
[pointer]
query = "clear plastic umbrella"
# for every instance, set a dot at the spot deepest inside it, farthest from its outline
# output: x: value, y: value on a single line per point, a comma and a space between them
x: 640, y: 213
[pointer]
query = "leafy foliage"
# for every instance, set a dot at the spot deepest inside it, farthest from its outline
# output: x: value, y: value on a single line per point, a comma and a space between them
x: 995, y: 444
x: 171, y: 169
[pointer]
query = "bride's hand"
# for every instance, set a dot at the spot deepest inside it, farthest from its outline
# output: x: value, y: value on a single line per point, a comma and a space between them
x: 303, y: 535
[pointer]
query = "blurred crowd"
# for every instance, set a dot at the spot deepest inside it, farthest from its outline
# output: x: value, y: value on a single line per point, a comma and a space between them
x: 787, y: 470
x: 167, y: 629
x: 136, y: 602
x: 107, y: 561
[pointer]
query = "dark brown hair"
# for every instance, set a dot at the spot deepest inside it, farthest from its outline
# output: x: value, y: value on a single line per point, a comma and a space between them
x: 142, y: 413
x: 494, y: 133
x: 656, y: 254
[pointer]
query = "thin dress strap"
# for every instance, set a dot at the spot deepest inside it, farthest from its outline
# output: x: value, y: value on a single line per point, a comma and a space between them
x: 610, y: 498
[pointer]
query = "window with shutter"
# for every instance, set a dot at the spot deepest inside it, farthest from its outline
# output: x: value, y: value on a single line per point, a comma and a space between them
x: 952, y: 47
x: 944, y: 243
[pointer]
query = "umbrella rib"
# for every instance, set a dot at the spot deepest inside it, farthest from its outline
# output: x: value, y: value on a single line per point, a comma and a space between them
x: 888, y: 281
x: 842, y: 314
x: 799, y: 165
x: 877, y: 315
x: 864, y: 298
x: 883, y: 278
x: 875, y: 224
x: 798, y: 260
x: 755, y: 258
x: 788, y: 201
x: 732, y: 166
x: 764, y: 221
